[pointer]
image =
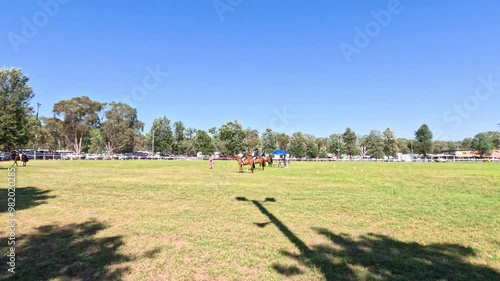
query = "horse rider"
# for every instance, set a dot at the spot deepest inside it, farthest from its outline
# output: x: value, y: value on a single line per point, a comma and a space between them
x: 255, y: 154
x: 243, y: 155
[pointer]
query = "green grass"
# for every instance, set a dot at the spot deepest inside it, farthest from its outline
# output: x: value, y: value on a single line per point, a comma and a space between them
x: 179, y: 220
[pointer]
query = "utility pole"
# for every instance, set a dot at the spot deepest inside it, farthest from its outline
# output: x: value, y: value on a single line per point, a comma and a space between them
x: 262, y: 143
x: 411, y: 150
x: 153, y: 144
x: 36, y: 131
x: 338, y: 149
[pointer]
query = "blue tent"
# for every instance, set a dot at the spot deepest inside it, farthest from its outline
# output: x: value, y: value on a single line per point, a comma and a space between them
x: 279, y: 152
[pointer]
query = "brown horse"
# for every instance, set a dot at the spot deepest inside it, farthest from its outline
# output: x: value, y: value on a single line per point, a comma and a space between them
x: 248, y: 160
x: 15, y: 156
x: 261, y: 161
x: 269, y: 160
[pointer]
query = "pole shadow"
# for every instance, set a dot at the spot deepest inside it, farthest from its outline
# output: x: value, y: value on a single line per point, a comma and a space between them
x: 380, y: 256
x: 307, y: 255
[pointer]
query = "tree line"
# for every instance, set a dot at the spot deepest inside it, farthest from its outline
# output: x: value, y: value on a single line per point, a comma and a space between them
x: 84, y: 125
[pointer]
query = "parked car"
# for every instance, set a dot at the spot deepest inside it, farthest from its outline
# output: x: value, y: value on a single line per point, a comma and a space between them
x: 91, y: 156
x: 5, y: 156
x: 73, y: 156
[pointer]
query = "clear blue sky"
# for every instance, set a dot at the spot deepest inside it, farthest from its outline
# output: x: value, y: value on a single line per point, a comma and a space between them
x: 267, y: 57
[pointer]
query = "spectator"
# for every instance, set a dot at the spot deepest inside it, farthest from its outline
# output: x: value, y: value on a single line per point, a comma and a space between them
x: 212, y: 161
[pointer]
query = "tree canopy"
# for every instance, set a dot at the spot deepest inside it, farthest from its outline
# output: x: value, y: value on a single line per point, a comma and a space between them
x: 482, y: 143
x: 79, y: 115
x: 120, y: 127
x: 424, y: 140
x: 15, y: 108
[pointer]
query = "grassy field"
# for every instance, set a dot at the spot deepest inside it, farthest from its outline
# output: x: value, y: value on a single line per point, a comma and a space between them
x: 179, y: 220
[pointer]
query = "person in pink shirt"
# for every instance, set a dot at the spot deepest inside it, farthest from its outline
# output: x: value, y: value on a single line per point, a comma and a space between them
x: 212, y: 161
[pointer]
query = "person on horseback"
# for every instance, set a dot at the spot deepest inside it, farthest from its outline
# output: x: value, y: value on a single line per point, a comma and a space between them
x: 243, y: 156
x: 255, y: 154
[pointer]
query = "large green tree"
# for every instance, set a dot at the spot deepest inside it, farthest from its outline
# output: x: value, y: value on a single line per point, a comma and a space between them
x: 252, y: 140
x: 96, y: 141
x: 15, y: 97
x: 482, y: 144
x: 282, y: 140
x: 312, y: 148
x: 269, y: 141
x: 322, y: 144
x: 297, y: 145
x: 403, y: 145
x: 190, y: 134
x: 350, y: 141
x: 423, y: 138
x: 180, y: 144
x: 231, y: 138
x: 79, y: 115
x: 53, y: 135
x: 203, y: 143
x: 390, y: 144
x: 120, y: 127
x: 336, y: 145
x: 375, y: 144
x: 161, y: 137
x: 495, y: 138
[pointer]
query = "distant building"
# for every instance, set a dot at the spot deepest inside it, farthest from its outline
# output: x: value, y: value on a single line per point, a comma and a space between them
x: 495, y: 154
x: 459, y: 153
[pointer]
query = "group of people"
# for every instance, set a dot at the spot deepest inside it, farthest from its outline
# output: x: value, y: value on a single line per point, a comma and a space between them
x: 243, y: 155
x: 255, y: 154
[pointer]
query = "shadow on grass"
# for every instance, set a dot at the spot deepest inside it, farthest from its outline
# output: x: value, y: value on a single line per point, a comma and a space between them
x: 26, y: 197
x: 70, y: 252
x: 379, y: 256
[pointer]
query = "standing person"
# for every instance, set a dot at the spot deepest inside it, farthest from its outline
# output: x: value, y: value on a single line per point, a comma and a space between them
x: 212, y: 161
